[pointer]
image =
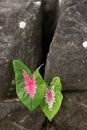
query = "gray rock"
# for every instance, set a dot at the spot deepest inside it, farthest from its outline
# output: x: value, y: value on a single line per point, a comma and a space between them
x: 14, y: 116
x: 20, y: 37
x: 73, y: 112
x: 67, y: 57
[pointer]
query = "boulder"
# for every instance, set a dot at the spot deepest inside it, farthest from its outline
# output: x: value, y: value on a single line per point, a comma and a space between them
x: 72, y: 114
x: 14, y: 116
x: 20, y: 38
x: 67, y: 57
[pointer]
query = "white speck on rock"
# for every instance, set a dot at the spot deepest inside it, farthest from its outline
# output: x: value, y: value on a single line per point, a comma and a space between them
x: 79, y: 80
x: 37, y: 3
x: 17, y: 99
x: 22, y: 24
x: 84, y: 44
x: 60, y: 2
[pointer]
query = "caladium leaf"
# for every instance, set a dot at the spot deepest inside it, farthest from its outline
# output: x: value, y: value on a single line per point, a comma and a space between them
x: 29, y: 87
x: 53, y: 99
x: 56, y: 81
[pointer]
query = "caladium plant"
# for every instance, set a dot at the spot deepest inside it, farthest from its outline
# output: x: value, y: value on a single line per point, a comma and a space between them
x: 53, y: 98
x: 33, y: 91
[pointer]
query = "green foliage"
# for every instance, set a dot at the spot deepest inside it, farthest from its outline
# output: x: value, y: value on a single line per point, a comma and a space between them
x: 20, y: 90
x: 40, y: 96
x: 58, y: 99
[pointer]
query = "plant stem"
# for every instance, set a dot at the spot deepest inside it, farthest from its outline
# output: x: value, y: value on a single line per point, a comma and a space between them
x: 48, y: 124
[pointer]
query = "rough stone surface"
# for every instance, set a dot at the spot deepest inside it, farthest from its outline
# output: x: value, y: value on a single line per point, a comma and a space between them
x: 14, y: 116
x: 73, y: 112
x: 20, y: 37
x: 49, y: 21
x: 71, y: 116
x: 67, y: 57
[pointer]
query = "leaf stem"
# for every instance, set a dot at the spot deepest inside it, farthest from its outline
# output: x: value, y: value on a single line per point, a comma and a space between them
x: 48, y: 124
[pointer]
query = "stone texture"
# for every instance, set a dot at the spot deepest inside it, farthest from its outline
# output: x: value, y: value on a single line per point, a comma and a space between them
x: 67, y: 57
x: 73, y: 112
x: 49, y: 21
x: 71, y: 116
x: 20, y: 37
x: 14, y: 116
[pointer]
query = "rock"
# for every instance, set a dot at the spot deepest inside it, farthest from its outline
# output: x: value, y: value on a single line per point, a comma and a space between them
x: 20, y: 38
x: 49, y: 21
x: 67, y: 57
x: 14, y: 116
x: 73, y: 112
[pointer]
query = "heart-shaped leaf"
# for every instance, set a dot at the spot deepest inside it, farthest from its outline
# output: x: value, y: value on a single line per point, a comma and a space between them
x: 53, y: 98
x: 31, y: 96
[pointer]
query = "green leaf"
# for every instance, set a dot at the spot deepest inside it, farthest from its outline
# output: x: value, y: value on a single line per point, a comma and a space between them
x: 39, y: 78
x: 58, y: 99
x: 56, y: 81
x: 31, y: 104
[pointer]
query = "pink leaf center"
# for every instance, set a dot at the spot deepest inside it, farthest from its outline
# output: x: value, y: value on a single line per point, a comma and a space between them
x: 30, y: 85
x: 49, y: 97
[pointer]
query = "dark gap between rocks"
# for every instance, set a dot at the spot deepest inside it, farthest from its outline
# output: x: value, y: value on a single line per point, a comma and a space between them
x: 50, y: 14
x: 52, y: 125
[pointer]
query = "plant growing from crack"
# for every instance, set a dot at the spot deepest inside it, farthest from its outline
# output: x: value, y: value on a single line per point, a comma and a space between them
x: 33, y: 91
